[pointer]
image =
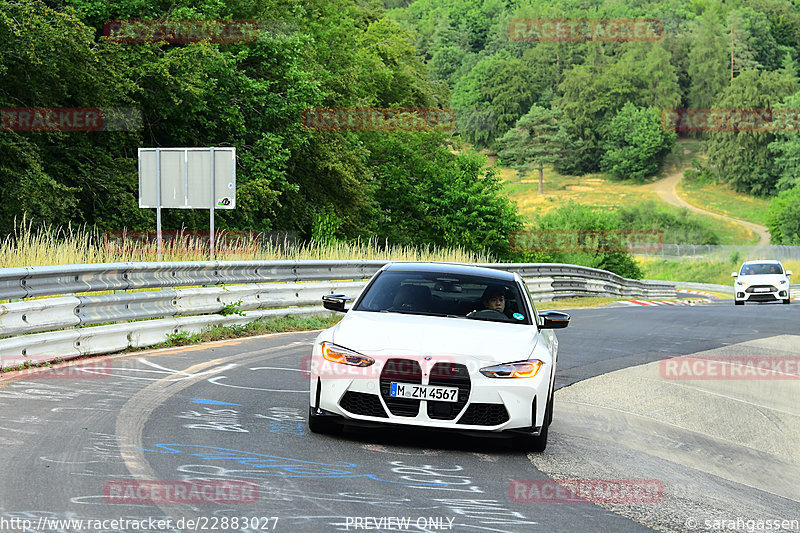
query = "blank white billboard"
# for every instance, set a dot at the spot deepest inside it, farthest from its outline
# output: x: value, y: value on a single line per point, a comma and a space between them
x: 185, y: 177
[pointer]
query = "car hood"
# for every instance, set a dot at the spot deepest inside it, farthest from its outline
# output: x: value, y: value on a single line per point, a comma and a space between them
x: 394, y: 334
x: 762, y: 279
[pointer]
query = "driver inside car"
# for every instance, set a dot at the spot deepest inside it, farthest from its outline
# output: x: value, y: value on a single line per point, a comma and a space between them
x: 494, y: 298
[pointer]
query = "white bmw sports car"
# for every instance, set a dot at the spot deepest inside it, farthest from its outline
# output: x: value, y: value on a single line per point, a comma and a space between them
x: 762, y: 281
x: 438, y: 346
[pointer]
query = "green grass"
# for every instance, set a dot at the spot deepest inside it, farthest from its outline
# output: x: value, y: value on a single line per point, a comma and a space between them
x: 601, y: 192
x: 577, y: 302
x: 29, y: 364
x: 720, y: 198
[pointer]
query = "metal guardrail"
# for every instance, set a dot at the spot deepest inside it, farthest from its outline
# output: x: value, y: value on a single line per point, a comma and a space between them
x: 733, y: 253
x: 793, y: 288
x: 63, y: 322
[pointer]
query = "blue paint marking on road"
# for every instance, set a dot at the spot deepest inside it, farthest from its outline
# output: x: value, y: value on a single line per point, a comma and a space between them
x: 279, y: 466
x: 213, y: 402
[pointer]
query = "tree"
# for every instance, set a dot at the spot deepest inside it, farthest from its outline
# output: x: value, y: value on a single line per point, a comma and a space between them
x: 754, y: 37
x: 538, y: 138
x: 740, y: 155
x: 709, y: 59
x: 660, y: 79
x: 428, y: 195
x: 785, y: 149
x: 743, y: 56
x: 491, y: 98
x: 636, y: 143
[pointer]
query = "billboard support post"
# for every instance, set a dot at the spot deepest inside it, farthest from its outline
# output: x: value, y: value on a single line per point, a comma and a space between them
x: 159, y: 242
x: 211, y: 222
x: 187, y: 178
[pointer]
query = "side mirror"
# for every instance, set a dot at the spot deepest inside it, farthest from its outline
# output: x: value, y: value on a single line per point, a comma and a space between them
x: 734, y: 275
x: 554, y: 320
x: 335, y: 302
x: 788, y: 273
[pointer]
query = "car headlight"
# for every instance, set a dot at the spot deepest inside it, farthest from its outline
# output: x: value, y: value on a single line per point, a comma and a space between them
x: 338, y: 354
x: 528, y: 369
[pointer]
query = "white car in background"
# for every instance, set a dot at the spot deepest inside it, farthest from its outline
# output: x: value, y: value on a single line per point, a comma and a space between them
x: 421, y: 348
x: 762, y: 281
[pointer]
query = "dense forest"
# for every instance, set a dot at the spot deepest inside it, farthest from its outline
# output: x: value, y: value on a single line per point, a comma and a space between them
x: 600, y: 106
x: 597, y: 105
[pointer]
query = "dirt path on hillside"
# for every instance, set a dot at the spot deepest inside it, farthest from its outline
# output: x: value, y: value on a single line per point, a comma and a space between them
x: 667, y: 189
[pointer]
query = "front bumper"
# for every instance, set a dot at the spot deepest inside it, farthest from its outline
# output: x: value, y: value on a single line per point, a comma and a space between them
x: 761, y: 293
x: 485, y: 405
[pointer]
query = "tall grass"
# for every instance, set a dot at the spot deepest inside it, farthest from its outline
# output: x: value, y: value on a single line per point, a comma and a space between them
x: 45, y: 245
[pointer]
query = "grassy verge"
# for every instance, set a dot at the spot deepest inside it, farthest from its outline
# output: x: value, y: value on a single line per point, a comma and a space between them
x: 251, y: 329
x: 721, y: 199
x: 28, y: 365
x: 716, y: 272
x: 577, y: 302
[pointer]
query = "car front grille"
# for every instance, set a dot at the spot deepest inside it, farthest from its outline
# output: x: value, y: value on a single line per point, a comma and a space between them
x: 449, y: 375
x: 485, y: 414
x: 752, y: 289
x: 360, y: 403
x: 400, y: 371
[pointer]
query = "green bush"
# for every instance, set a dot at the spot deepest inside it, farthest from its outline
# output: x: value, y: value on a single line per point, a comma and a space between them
x: 783, y: 219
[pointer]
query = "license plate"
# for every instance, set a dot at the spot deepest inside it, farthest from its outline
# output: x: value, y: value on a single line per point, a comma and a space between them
x: 762, y: 289
x: 423, y: 392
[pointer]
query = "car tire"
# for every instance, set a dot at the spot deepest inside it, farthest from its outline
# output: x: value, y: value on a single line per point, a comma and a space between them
x: 737, y: 302
x: 787, y: 301
x: 322, y: 425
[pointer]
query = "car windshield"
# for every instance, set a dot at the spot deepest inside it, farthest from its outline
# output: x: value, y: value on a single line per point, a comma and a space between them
x: 755, y: 269
x: 445, y: 295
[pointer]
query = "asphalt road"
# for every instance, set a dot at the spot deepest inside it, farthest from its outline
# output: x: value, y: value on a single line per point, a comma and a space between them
x: 235, y: 411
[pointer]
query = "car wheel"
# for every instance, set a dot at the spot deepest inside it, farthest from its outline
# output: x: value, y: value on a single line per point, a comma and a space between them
x: 322, y: 425
x: 737, y: 302
x: 787, y: 301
